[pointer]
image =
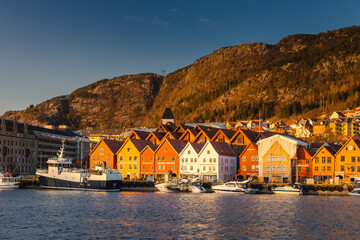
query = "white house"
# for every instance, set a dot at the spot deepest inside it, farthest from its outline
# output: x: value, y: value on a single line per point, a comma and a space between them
x: 189, y: 164
x: 217, y: 162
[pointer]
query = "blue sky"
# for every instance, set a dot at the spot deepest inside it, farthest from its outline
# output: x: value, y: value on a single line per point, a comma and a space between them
x: 50, y: 48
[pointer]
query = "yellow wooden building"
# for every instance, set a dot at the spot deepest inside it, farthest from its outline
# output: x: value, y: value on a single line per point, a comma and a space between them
x: 323, y: 163
x: 128, y: 158
x: 276, y: 157
x: 347, y: 164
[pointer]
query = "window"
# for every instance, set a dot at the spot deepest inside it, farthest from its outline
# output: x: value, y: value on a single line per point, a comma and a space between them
x: 358, y: 159
x: 352, y: 159
x: 269, y: 158
x: 135, y: 166
x: 163, y: 158
x: 323, y: 168
x: 130, y: 167
x: 307, y: 161
x: 283, y: 168
x: 210, y: 159
x: 209, y: 168
x: 204, y: 168
x: 172, y: 167
x: 316, y: 169
x: 322, y: 159
x: 342, y: 159
x: 328, y: 159
x: 268, y: 168
x: 128, y: 149
x: 142, y: 158
x: 244, y: 167
x: 135, y: 158
x: 252, y: 158
x: 108, y: 158
x: 208, y: 151
x: 358, y: 169
x: 159, y: 166
x: 342, y: 168
x: 191, y: 168
x: 94, y: 158
x: 173, y: 158
x: 121, y: 167
x: 284, y: 158
x: 152, y: 166
x: 188, y: 151
x: 279, y: 158
x: 353, y: 168
x: 252, y: 167
x: 186, y: 160
x: 257, y: 158
x: 182, y: 159
x: 165, y: 149
x: 101, y: 150
x: 273, y: 158
x: 307, y: 169
x: 273, y: 168
x: 276, y: 149
x: 213, y: 168
x: 328, y: 168
x: 244, y: 159
x: 158, y: 158
x: 152, y: 158
x: 143, y: 166
x: 204, y: 159
x: 129, y: 158
x: 316, y: 159
x: 98, y: 158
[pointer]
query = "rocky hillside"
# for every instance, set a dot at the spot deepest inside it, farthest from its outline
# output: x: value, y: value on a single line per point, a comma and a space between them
x: 109, y: 103
x: 301, y: 74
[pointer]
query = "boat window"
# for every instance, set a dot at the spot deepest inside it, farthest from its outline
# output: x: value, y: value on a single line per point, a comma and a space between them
x: 240, y: 185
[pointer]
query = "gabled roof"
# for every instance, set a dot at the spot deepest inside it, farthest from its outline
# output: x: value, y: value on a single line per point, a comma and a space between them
x: 174, y: 135
x: 197, y: 146
x: 177, y: 145
x: 140, y: 134
x: 252, y: 144
x: 228, y: 133
x: 356, y: 141
x: 151, y: 146
x: 141, y: 144
x: 250, y: 135
x: 222, y: 148
x: 191, y: 131
x: 158, y: 135
x: 113, y: 145
x: 209, y: 134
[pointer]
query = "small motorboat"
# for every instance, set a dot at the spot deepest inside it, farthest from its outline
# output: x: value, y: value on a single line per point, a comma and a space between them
x: 288, y: 189
x: 356, y: 191
x: 181, y: 185
x: 233, y: 187
x: 9, y: 182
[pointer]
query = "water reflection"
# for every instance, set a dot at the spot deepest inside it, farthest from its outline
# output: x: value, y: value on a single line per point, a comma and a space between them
x: 37, y: 214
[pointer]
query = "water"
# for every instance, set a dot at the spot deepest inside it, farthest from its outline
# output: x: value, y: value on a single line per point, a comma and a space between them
x: 42, y: 214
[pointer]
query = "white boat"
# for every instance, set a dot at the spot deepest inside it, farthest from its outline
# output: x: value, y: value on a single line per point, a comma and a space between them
x: 288, y: 189
x: 60, y: 175
x: 9, y: 182
x: 181, y: 185
x: 356, y: 191
x: 232, y: 187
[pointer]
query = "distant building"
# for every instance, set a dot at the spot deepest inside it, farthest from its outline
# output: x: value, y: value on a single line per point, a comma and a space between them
x: 18, y: 148
x: 168, y: 117
x: 105, y: 152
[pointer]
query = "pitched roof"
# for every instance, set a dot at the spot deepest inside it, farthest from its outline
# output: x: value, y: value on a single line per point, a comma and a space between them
x: 228, y: 133
x: 222, y: 148
x: 141, y: 144
x: 168, y: 114
x: 158, y: 135
x: 175, y: 135
x: 142, y: 134
x: 178, y: 145
x: 113, y: 145
x: 197, y: 146
x: 251, y: 135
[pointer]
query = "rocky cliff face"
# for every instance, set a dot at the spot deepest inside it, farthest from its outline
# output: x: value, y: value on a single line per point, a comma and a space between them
x: 300, y: 74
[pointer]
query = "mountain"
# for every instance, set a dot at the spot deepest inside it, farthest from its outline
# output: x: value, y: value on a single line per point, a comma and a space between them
x: 301, y: 74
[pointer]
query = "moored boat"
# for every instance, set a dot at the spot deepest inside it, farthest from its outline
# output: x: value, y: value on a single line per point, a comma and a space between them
x: 9, y: 182
x: 356, y: 191
x: 232, y: 187
x: 60, y: 175
x: 181, y: 185
x: 288, y: 189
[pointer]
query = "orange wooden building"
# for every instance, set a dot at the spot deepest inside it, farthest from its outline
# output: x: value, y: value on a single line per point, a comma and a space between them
x: 302, y: 165
x: 147, y: 161
x: 249, y: 161
x: 167, y: 159
x: 105, y: 151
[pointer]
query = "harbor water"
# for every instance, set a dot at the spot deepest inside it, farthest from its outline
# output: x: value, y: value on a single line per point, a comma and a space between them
x: 43, y: 214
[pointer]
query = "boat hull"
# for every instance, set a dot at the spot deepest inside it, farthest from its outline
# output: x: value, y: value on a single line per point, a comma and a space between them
x: 53, y: 183
x: 10, y: 186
